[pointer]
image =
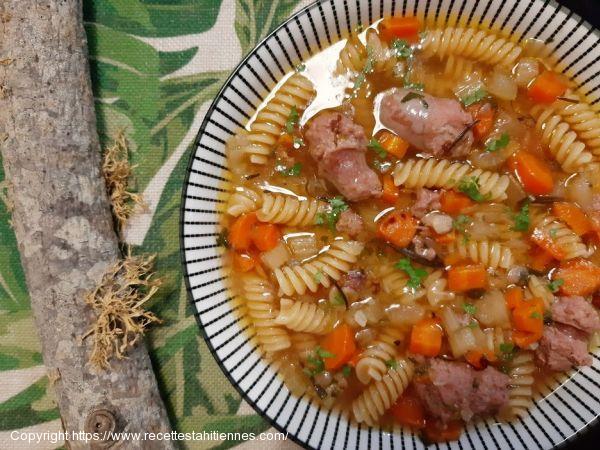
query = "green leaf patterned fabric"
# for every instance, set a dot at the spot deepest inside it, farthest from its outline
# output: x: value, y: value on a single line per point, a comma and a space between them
x: 156, y: 65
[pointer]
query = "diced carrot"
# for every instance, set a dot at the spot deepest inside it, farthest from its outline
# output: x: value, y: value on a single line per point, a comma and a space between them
x: 514, y: 297
x: 240, y: 233
x: 524, y: 339
x: 406, y: 28
x: 426, y: 337
x: 454, y: 202
x: 393, y: 144
x: 397, y: 228
x: 580, y: 277
x: 540, y: 260
x: 390, y: 190
x: 547, y: 243
x: 533, y: 173
x: 286, y: 140
x: 445, y: 239
x: 484, y: 114
x: 266, y: 236
x: 479, y: 358
x: 546, y: 87
x: 529, y: 316
x: 409, y: 411
x: 454, y: 259
x: 467, y: 277
x: 244, y: 262
x: 340, y: 343
x: 437, y: 432
x: 573, y: 216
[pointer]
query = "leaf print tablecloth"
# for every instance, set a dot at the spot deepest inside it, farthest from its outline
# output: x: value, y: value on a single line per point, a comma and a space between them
x: 156, y: 65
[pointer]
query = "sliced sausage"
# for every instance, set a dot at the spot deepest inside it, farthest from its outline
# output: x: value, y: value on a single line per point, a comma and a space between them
x: 349, y: 223
x: 338, y: 146
x: 561, y: 347
x: 431, y: 124
x: 577, y: 312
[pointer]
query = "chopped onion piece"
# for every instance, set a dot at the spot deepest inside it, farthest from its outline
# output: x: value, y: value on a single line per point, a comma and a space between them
x: 502, y: 86
x: 525, y: 71
x: 302, y: 245
x: 492, y: 311
x: 276, y: 257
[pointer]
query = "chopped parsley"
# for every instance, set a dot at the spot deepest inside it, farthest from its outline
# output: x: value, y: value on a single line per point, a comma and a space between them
x: 338, y: 299
x: 472, y: 324
x: 346, y: 370
x: 324, y: 353
x: 292, y: 120
x: 470, y: 187
x: 401, y: 49
x: 474, y: 97
x: 416, y: 275
x: 415, y: 96
x: 376, y: 146
x: 469, y: 308
x: 298, y: 142
x: 536, y: 315
x: 392, y: 363
x: 301, y: 67
x: 493, y: 145
x: 223, y: 238
x: 318, y: 276
x: 416, y: 86
x: 293, y: 171
x: 553, y: 233
x: 337, y: 206
x: 522, y: 220
x: 367, y: 69
x: 315, y: 363
x: 460, y: 225
x: 507, y: 351
x: 555, y: 284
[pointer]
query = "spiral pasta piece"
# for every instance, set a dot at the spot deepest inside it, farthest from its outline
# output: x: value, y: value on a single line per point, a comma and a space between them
x: 329, y: 264
x: 537, y: 288
x: 435, y: 173
x: 490, y: 254
x: 521, y: 373
x: 260, y: 302
x: 479, y: 45
x: 377, y: 398
x: 457, y: 68
x: 305, y: 317
x: 375, y: 361
x: 243, y: 200
x: 383, y: 58
x: 289, y: 210
x: 352, y: 56
x: 436, y: 286
x: 392, y: 280
x: 563, y: 238
x: 583, y: 120
x: 562, y: 142
x: 297, y: 91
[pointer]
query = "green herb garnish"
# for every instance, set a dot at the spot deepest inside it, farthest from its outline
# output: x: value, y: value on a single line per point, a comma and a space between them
x: 367, y: 69
x: 415, y: 96
x: 293, y: 171
x: 376, y: 146
x: 323, y: 353
x: 460, y: 225
x: 522, y: 220
x: 553, y: 233
x: 469, y: 308
x: 298, y: 142
x: 292, y: 120
x: 416, y: 275
x: 493, y: 145
x: 401, y: 49
x: 315, y: 361
x: 472, y: 324
x: 470, y: 187
x: 338, y: 299
x: 337, y: 206
x: 392, y: 363
x: 555, y: 284
x: 318, y: 276
x: 507, y: 351
x: 474, y: 97
x: 223, y: 238
x: 301, y: 67
x: 535, y: 315
x: 346, y: 370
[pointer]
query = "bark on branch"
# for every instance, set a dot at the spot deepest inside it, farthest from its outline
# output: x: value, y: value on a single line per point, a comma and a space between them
x: 61, y: 215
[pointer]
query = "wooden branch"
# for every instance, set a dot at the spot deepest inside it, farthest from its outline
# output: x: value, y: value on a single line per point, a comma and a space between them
x: 62, y: 218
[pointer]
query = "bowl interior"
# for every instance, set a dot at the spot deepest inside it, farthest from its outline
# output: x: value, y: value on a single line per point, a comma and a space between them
x: 562, y: 410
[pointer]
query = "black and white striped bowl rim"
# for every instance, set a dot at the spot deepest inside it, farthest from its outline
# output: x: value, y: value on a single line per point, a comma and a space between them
x: 559, y: 413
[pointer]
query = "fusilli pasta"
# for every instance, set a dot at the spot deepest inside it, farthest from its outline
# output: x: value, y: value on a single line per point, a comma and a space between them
x: 377, y: 398
x: 564, y: 239
x: 329, y: 264
x: 392, y: 280
x: 436, y: 285
x: 243, y: 200
x: 537, y: 288
x: 383, y: 59
x: 305, y: 317
x: 296, y: 91
x: 434, y: 173
x: 570, y: 153
x: 479, y: 45
x: 376, y: 359
x: 260, y: 302
x: 352, y: 56
x: 520, y: 397
x: 458, y: 68
x: 289, y: 210
x: 490, y: 254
